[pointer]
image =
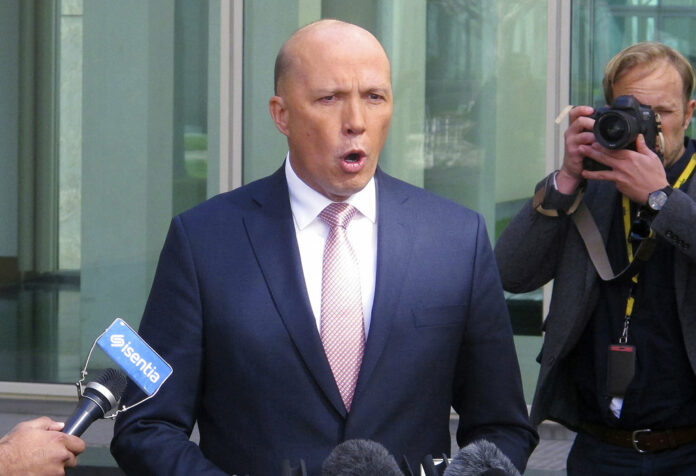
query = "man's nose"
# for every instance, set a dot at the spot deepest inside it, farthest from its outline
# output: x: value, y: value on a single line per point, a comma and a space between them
x: 354, y: 117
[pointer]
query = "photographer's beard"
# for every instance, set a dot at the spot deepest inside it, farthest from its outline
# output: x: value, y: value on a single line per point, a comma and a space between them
x: 674, y: 139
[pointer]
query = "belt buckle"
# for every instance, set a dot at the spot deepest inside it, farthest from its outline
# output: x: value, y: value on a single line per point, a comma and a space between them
x: 634, y: 439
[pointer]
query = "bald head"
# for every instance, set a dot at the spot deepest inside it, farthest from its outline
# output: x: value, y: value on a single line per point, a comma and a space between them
x: 334, y: 103
x: 315, y: 37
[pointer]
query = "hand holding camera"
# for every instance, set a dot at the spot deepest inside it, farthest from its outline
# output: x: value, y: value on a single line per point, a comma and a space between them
x: 621, y: 143
x: 578, y: 133
x: 617, y: 127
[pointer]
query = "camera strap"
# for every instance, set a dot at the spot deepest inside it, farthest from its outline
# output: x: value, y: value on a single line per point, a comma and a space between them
x: 594, y: 243
x: 598, y: 254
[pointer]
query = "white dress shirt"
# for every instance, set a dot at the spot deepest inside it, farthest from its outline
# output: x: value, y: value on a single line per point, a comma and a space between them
x: 306, y: 204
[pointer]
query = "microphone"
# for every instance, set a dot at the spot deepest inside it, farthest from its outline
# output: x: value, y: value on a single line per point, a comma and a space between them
x: 99, y: 397
x: 360, y: 457
x: 481, y: 458
x: 289, y: 470
x: 429, y: 468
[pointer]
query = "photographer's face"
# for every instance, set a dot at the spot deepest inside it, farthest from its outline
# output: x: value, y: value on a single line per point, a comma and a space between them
x: 661, y: 88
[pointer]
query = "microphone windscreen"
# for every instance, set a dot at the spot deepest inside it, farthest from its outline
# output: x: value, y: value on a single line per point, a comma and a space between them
x: 358, y: 458
x: 98, y: 398
x: 114, y: 380
x: 481, y: 458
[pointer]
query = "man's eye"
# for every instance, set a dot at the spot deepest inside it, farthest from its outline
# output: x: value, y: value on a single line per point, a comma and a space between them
x: 375, y: 97
x: 330, y: 98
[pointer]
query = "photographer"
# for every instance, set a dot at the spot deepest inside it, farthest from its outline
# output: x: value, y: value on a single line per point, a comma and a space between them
x: 619, y: 355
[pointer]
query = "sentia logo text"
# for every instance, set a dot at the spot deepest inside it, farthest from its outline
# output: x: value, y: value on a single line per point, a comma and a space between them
x: 146, y: 367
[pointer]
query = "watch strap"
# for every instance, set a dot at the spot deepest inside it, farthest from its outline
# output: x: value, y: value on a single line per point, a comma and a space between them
x: 666, y: 190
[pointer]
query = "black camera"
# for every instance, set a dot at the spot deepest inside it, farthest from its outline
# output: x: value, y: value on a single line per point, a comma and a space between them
x: 618, y: 125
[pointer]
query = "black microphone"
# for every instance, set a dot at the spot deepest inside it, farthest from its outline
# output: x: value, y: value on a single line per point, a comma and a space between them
x: 358, y: 458
x: 430, y: 468
x: 98, y: 398
x: 289, y: 470
x: 481, y: 458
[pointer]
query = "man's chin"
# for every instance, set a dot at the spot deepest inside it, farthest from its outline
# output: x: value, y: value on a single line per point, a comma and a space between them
x: 339, y: 194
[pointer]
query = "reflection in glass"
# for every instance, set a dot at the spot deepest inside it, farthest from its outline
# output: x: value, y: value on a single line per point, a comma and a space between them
x: 119, y: 149
x: 602, y: 29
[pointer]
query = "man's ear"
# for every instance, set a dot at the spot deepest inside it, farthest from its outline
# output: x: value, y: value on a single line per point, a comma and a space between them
x: 688, y: 113
x: 279, y: 114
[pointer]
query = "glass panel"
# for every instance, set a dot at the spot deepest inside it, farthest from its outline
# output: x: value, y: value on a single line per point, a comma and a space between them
x: 469, y: 80
x: 602, y: 29
x: 70, y: 151
x: 131, y: 122
x: 9, y: 144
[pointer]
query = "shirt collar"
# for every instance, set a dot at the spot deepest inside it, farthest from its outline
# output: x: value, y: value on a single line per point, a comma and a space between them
x: 306, y: 203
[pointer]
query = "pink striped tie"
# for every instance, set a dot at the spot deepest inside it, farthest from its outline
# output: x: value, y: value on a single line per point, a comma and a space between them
x: 342, y: 331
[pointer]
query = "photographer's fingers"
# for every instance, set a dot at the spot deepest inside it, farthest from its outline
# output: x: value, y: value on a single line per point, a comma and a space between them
x: 642, y: 147
x: 646, y: 175
x: 580, y: 126
x: 598, y: 153
x: 579, y: 111
x: 578, y: 133
x: 635, y: 173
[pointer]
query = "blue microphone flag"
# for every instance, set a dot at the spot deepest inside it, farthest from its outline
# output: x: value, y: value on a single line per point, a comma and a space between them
x: 138, y: 360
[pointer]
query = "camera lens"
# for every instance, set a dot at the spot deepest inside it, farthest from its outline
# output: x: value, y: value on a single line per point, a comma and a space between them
x: 615, y: 130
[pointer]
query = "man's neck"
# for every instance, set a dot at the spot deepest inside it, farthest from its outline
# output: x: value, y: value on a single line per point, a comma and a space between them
x: 675, y: 158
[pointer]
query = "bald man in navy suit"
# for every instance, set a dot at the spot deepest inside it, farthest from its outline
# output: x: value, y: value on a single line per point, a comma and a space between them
x: 235, y: 306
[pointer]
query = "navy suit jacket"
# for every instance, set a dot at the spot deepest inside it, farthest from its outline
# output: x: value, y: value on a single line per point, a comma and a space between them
x: 230, y: 312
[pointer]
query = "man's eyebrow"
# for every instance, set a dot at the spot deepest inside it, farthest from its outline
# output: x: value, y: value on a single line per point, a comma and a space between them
x: 338, y: 89
x: 384, y: 89
x: 321, y: 92
x: 326, y: 89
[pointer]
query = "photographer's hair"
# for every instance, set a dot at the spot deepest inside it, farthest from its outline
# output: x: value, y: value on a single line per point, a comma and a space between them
x: 642, y: 54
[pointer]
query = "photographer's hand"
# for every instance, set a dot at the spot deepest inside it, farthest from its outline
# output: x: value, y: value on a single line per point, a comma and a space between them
x: 579, y: 133
x: 635, y: 173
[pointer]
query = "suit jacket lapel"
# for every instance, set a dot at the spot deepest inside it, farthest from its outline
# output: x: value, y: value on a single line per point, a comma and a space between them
x: 393, y: 255
x: 272, y: 234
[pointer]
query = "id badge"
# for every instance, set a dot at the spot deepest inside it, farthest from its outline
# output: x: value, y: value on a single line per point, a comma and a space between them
x: 621, y: 368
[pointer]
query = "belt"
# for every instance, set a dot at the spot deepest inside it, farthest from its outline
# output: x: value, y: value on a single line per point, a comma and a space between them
x: 645, y: 440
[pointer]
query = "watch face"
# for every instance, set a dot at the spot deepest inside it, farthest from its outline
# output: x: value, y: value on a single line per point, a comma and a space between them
x: 656, y: 200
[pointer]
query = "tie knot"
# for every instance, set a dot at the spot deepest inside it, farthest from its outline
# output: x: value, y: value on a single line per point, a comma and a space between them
x: 338, y: 214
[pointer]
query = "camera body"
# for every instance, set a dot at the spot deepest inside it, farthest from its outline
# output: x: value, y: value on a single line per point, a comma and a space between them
x: 617, y: 127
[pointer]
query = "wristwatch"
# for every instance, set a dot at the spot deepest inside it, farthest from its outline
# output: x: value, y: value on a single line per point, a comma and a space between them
x: 658, y: 198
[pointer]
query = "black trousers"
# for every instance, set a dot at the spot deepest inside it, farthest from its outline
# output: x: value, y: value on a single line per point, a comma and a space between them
x: 590, y: 456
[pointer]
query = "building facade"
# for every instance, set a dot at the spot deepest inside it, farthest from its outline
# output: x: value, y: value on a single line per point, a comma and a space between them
x: 118, y: 115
